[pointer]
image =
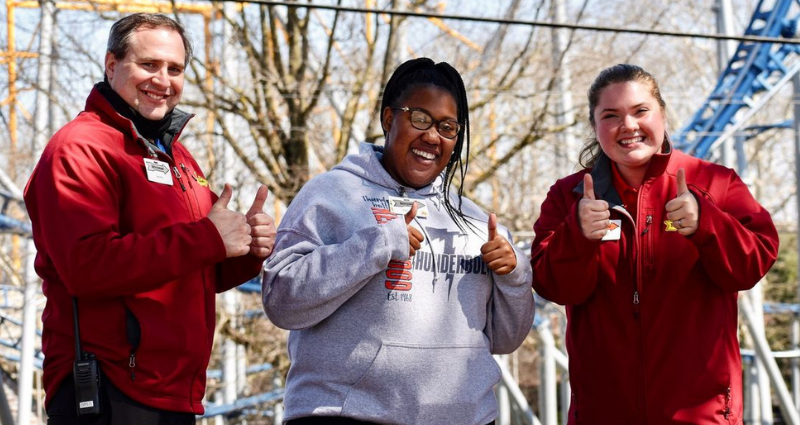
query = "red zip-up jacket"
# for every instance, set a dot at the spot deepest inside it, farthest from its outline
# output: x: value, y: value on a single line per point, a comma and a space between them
x: 652, y: 317
x: 124, y: 245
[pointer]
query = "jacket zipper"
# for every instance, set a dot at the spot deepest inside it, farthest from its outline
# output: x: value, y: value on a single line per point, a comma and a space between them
x: 638, y: 244
x: 575, y: 408
x: 634, y: 240
x: 727, y: 411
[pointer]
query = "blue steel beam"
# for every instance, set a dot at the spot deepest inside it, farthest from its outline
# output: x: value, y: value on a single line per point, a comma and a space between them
x: 8, y: 224
x: 752, y: 70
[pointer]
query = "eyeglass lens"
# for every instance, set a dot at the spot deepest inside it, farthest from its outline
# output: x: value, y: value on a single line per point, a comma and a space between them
x: 422, y: 121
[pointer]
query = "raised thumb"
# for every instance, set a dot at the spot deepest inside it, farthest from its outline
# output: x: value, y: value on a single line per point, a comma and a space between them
x: 682, y: 186
x: 588, y: 187
x: 224, y: 197
x: 258, y: 202
x: 492, y: 226
x: 411, y: 213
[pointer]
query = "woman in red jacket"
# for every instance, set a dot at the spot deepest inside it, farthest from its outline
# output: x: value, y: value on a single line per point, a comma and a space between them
x: 648, y: 247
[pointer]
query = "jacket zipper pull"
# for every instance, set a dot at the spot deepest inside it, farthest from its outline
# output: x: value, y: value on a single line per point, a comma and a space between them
x: 188, y: 173
x: 178, y: 176
x: 648, y: 221
x: 132, y: 365
x: 635, y: 297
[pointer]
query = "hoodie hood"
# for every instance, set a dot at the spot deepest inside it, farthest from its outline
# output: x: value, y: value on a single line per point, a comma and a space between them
x: 367, y: 165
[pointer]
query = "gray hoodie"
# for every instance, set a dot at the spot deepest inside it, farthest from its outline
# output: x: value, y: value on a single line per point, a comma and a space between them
x: 377, y: 336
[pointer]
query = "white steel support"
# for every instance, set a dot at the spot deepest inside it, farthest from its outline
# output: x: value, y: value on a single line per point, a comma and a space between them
x: 516, y: 396
x: 795, y: 372
x: 756, y: 298
x: 25, y: 379
x: 725, y: 49
x: 565, y: 115
x: 789, y: 411
x: 565, y: 389
x: 752, y: 401
x: 230, y: 298
x: 796, y: 319
x: 503, y: 401
x: 277, y: 416
x: 41, y: 113
x: 548, y: 389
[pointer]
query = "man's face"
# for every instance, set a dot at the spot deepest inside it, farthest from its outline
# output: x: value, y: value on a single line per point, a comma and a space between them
x: 150, y: 77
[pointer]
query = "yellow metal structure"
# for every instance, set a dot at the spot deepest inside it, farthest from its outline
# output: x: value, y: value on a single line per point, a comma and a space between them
x: 11, y: 55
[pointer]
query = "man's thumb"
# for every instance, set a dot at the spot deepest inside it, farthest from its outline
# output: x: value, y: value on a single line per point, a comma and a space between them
x: 258, y: 202
x: 492, y: 226
x: 224, y: 197
x: 682, y: 186
x: 588, y: 187
x: 411, y: 213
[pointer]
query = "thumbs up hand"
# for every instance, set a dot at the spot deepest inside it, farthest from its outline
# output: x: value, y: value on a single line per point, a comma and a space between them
x: 497, y: 252
x: 231, y: 225
x: 262, y: 226
x: 683, y: 210
x: 593, y: 214
x: 414, y: 235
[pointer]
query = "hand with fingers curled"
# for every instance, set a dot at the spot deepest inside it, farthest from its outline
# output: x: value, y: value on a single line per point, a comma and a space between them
x: 415, y: 237
x: 262, y: 226
x: 497, y: 252
x: 593, y: 213
x: 683, y: 209
x: 231, y: 225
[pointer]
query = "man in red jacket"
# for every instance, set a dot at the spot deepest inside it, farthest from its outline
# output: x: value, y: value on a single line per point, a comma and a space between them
x: 128, y: 231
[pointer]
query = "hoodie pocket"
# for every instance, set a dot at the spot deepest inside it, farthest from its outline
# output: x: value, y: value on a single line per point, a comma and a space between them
x: 416, y: 384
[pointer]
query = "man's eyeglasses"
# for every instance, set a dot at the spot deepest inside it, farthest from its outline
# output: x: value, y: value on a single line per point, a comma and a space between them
x: 422, y: 121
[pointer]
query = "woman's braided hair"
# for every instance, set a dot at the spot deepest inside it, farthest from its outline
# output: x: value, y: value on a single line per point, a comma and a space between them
x: 421, y: 72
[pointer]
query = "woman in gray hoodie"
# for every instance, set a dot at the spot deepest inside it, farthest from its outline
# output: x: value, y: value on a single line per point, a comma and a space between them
x: 397, y: 290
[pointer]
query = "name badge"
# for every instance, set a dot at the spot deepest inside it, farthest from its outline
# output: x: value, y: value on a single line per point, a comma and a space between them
x: 158, y: 171
x: 402, y: 206
x: 614, y: 230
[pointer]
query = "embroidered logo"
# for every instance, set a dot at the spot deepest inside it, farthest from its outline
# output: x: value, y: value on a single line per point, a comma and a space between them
x: 382, y: 215
x: 398, y: 276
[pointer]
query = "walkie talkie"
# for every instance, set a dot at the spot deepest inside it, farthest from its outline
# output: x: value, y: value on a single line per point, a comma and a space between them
x: 86, y: 374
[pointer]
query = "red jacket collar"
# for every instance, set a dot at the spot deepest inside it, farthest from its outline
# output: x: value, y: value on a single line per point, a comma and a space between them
x: 603, y: 176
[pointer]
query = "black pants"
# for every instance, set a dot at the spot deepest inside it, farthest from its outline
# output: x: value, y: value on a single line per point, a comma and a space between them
x: 117, y: 409
x: 333, y: 420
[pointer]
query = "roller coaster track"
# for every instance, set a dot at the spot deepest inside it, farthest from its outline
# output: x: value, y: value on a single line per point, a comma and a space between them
x: 755, y: 72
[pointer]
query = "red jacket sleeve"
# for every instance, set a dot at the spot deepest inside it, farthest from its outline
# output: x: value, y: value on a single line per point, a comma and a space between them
x: 238, y: 270
x: 564, y: 262
x: 74, y: 198
x: 736, y: 238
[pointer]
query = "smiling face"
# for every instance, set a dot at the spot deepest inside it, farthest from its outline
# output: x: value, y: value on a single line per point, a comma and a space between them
x: 415, y: 157
x: 630, y: 125
x: 150, y: 77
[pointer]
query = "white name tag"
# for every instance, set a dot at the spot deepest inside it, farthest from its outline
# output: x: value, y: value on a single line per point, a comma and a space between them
x: 402, y: 206
x: 158, y: 171
x: 614, y: 230
x: 85, y: 404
